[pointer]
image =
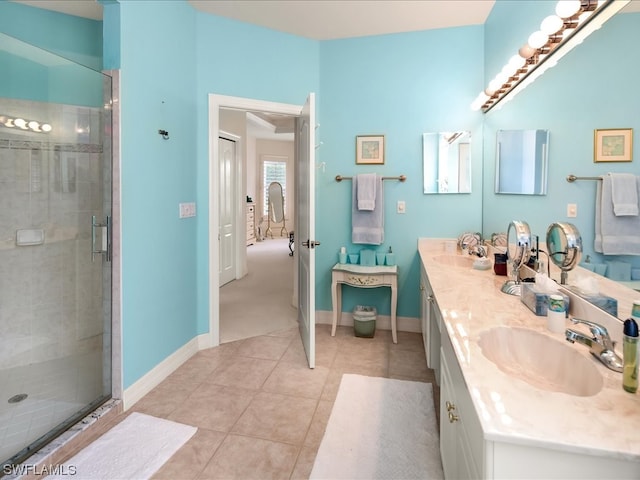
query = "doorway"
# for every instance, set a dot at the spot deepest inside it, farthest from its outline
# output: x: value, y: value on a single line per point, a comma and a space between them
x: 304, y: 159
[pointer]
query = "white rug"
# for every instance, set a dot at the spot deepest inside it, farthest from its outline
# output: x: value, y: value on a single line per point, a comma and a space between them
x: 133, y: 450
x: 380, y: 428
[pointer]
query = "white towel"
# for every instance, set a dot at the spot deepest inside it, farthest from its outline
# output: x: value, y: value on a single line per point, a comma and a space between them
x: 624, y: 194
x: 366, y: 186
x: 614, y: 235
x: 367, y: 226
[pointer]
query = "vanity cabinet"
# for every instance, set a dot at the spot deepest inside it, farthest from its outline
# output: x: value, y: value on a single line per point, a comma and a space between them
x: 461, y: 438
x: 430, y: 322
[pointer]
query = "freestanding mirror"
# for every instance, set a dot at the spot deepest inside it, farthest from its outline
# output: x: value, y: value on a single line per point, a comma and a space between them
x: 276, y: 209
x: 446, y: 162
x: 521, y: 162
x: 565, y: 247
x: 518, y: 252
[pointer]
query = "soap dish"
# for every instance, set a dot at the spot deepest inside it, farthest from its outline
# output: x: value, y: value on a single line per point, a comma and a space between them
x: 482, y: 264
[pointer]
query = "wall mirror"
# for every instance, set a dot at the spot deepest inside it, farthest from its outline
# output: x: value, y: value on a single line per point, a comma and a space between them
x: 521, y: 162
x: 543, y: 103
x: 276, y: 209
x: 446, y: 159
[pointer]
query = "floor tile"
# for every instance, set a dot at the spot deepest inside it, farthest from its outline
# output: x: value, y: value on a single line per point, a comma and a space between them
x: 297, y: 380
x: 243, y: 372
x: 281, y: 418
x: 264, y: 346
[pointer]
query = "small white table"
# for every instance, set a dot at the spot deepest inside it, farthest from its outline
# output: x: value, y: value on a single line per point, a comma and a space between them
x: 361, y: 276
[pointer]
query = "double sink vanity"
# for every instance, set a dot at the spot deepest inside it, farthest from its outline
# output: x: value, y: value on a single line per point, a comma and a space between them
x: 516, y: 400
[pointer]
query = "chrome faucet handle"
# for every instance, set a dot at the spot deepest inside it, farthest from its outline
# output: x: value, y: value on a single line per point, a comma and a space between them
x: 596, y: 329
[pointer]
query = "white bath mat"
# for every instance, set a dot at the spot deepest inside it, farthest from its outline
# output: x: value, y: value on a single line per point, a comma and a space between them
x: 380, y: 428
x: 133, y: 450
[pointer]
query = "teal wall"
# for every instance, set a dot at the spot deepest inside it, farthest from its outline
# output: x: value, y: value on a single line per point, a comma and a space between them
x: 75, y: 38
x: 401, y: 86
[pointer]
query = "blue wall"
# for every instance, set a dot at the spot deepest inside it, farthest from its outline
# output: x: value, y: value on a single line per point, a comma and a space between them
x: 401, y: 86
x: 75, y: 38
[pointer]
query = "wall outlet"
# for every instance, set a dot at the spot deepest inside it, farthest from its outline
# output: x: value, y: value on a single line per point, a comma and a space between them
x: 572, y: 210
x: 187, y: 210
x: 401, y: 207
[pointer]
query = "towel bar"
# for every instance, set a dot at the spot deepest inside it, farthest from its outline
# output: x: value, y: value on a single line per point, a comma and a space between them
x: 572, y: 178
x: 401, y: 178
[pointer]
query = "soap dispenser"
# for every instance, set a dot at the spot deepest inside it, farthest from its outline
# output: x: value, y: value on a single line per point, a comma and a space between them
x: 630, y: 352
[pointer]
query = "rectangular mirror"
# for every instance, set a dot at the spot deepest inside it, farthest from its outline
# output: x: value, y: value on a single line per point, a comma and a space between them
x: 521, y: 162
x: 446, y: 159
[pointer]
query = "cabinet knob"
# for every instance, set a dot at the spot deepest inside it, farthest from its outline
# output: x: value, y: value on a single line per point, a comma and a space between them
x: 453, y: 418
x: 450, y: 406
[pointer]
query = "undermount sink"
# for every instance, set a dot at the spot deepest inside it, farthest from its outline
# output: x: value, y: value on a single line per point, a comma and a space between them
x: 455, y: 260
x: 541, y: 361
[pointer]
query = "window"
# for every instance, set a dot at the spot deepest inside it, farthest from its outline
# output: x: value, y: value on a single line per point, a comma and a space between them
x: 273, y: 171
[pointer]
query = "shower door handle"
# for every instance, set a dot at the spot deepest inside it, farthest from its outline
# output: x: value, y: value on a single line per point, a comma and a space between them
x: 105, y: 240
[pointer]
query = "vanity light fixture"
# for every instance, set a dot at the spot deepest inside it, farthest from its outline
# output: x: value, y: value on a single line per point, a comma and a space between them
x: 24, y: 124
x: 558, y: 34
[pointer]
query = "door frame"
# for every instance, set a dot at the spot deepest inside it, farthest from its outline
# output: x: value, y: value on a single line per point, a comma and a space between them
x: 217, y: 102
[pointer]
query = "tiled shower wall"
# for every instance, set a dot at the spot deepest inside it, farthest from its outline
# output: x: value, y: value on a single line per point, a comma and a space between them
x: 51, y: 294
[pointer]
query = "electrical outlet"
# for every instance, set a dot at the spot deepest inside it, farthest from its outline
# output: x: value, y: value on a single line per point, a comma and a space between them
x: 401, y: 207
x: 572, y: 210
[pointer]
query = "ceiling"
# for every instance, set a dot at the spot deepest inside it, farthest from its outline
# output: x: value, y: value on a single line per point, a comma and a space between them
x: 321, y: 19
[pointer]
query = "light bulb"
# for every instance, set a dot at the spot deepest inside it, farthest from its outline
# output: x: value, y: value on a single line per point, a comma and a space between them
x: 526, y: 51
x: 33, y: 125
x: 551, y: 24
x: 516, y: 62
x: 495, y: 85
x: 538, y: 39
x: 46, y: 127
x: 20, y: 123
x: 489, y: 91
x: 567, y: 8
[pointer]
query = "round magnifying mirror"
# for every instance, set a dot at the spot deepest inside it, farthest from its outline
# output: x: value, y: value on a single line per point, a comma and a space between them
x: 564, y: 244
x: 518, y: 252
x: 518, y: 243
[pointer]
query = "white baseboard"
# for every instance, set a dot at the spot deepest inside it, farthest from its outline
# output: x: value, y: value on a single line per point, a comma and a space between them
x: 383, y: 322
x: 161, y: 371
x: 167, y: 366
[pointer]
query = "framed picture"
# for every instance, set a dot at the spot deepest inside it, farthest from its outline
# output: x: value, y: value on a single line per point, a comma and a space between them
x: 613, y: 145
x: 369, y: 149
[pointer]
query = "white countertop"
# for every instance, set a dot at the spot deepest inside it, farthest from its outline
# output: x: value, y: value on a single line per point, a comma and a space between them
x: 510, y: 409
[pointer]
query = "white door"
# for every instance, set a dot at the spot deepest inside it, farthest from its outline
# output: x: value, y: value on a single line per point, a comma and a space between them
x: 305, y: 227
x: 226, y: 202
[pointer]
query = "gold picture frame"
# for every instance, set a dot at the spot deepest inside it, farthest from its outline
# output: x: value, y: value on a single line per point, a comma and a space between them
x: 613, y: 145
x: 370, y: 150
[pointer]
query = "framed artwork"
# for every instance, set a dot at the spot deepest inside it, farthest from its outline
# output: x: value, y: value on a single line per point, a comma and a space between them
x: 612, y: 145
x: 370, y: 150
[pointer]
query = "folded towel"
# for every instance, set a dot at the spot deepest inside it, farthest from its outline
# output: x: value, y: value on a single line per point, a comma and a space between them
x: 368, y: 225
x: 624, y: 194
x: 614, y: 235
x: 366, y: 185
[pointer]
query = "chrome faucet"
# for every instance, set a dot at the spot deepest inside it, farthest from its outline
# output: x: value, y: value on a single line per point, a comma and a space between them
x: 600, y: 344
x: 478, y: 250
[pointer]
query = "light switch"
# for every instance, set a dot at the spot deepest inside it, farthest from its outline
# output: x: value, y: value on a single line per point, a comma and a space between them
x: 401, y: 207
x: 572, y: 210
x: 187, y: 210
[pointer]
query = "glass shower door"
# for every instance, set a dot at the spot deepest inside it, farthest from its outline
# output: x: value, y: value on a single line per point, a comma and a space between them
x: 55, y: 270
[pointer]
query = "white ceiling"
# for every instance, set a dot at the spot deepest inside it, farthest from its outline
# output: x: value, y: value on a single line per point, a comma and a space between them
x: 321, y: 19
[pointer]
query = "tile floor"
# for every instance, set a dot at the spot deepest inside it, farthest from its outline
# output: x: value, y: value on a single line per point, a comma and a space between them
x: 260, y: 411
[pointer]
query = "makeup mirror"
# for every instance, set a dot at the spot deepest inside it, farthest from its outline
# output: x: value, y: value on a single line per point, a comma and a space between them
x: 565, y: 247
x: 518, y: 252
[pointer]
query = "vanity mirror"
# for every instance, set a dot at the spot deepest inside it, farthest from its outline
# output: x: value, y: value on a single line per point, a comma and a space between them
x: 521, y: 162
x: 518, y: 252
x: 565, y: 247
x: 446, y: 160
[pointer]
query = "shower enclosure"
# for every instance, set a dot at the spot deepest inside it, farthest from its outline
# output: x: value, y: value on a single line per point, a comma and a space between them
x: 55, y: 267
